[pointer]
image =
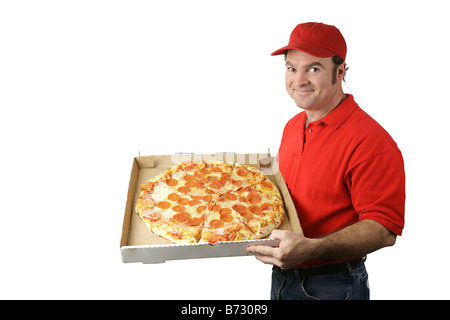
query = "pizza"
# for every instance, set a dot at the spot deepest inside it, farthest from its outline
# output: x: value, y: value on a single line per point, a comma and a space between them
x: 210, y: 201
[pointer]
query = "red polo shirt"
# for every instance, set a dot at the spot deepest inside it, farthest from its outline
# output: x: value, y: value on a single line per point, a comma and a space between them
x: 342, y: 169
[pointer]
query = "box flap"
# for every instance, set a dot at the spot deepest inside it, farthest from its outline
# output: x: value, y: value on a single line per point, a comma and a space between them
x: 145, y: 161
x: 162, y: 253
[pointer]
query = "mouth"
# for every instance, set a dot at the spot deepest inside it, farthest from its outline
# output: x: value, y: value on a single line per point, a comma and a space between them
x: 303, y: 92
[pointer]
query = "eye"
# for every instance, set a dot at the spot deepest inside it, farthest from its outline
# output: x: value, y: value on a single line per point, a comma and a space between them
x: 290, y: 69
x: 313, y: 70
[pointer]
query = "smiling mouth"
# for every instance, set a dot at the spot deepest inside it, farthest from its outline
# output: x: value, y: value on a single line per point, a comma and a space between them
x: 303, y: 92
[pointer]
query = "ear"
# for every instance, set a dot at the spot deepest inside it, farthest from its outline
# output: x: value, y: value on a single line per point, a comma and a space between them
x: 340, y: 73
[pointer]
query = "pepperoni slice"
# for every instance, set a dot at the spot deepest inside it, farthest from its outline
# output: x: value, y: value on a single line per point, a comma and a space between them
x: 173, y: 197
x: 194, y: 222
x: 193, y: 202
x: 212, y: 179
x: 267, y: 206
x: 250, y: 189
x: 215, y: 185
x: 181, y: 216
x: 191, y: 184
x: 226, y: 217
x: 267, y: 184
x: 230, y: 196
x: 247, y: 215
x: 179, y: 208
x: 226, y: 176
x: 164, y: 205
x: 184, y: 189
x: 199, y: 174
x: 242, y: 172
x: 207, y: 198
x: 171, y: 182
x: 222, y: 182
x: 199, y: 184
x: 243, y: 199
x: 253, y: 198
x: 237, y: 182
x: 240, y: 208
x: 188, y: 177
x: 146, y: 187
x: 183, y: 201
x: 256, y: 209
x: 216, y: 223
x: 201, y: 209
x: 225, y: 211
x: 216, y: 169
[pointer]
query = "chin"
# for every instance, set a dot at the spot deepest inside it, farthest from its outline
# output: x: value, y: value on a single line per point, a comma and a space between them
x: 303, y: 105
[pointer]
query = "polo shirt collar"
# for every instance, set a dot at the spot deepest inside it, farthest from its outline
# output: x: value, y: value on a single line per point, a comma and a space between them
x: 341, y: 113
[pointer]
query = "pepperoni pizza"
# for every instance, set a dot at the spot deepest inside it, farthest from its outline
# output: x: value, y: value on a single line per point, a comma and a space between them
x: 210, y: 201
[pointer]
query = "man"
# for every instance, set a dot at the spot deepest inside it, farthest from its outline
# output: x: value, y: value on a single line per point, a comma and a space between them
x: 344, y: 172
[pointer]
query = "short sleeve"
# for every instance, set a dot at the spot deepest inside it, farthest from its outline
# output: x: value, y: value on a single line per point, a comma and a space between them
x: 377, y: 187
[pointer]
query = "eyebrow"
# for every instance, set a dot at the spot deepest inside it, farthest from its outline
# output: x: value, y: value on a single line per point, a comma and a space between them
x: 314, y: 64
x: 308, y: 65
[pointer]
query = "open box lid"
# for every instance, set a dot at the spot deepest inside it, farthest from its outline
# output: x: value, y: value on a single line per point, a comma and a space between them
x: 138, y: 244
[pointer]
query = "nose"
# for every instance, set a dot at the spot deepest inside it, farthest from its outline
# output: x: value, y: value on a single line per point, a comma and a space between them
x: 299, y: 79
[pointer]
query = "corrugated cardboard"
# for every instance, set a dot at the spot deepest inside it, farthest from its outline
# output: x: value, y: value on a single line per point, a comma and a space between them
x: 139, y: 244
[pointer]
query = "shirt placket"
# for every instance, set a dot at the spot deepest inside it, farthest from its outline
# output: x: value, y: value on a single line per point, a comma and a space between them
x: 308, y: 135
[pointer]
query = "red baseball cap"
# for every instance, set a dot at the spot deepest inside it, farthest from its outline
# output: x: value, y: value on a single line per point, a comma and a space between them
x: 317, y: 39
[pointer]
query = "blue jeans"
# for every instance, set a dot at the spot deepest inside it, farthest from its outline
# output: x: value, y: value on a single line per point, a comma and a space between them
x: 349, y: 285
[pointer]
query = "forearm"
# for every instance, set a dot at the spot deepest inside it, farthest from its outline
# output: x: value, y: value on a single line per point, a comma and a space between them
x: 354, y: 241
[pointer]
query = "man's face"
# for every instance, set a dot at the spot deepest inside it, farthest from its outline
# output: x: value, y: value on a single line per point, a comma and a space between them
x: 309, y: 80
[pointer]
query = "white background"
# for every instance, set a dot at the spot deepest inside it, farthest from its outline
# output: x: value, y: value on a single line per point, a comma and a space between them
x: 87, y: 85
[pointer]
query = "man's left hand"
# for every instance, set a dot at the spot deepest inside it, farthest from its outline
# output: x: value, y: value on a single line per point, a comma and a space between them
x: 293, y: 250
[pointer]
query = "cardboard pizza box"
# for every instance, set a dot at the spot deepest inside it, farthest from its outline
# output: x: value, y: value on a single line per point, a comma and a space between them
x: 139, y: 244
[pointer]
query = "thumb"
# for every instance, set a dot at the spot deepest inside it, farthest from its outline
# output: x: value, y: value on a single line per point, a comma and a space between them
x: 277, y: 234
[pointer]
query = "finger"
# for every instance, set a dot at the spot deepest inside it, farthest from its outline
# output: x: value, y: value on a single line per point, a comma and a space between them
x: 277, y: 234
x: 267, y: 259
x: 263, y: 250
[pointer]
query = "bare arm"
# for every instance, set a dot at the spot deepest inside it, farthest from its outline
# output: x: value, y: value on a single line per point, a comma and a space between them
x: 353, y: 241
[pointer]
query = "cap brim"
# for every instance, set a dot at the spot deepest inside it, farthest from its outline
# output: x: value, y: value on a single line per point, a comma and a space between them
x: 308, y: 48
